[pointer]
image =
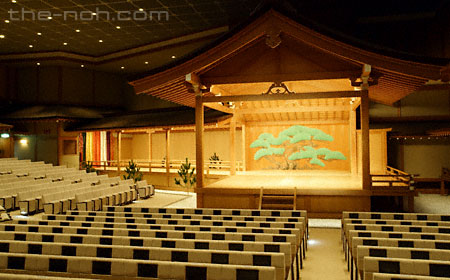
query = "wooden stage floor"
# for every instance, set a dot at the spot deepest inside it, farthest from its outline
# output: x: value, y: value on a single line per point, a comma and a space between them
x: 288, y: 179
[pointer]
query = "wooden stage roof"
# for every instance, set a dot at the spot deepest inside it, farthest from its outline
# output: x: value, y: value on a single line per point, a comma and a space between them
x: 275, y: 48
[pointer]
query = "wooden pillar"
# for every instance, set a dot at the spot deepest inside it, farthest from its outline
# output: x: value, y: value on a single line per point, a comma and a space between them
x: 364, y: 114
x: 167, y: 156
x: 244, y: 165
x: 353, y: 148
x: 233, y: 146
x: 199, y: 127
x: 149, y: 151
x: 118, y: 151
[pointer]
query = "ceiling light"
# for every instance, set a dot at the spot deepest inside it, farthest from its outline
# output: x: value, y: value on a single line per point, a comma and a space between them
x: 82, y: 65
x: 141, y: 10
x: 118, y: 27
x: 2, y: 36
x: 23, y: 142
x: 173, y: 56
x: 38, y: 63
x: 5, y: 135
x: 146, y: 62
x: 78, y: 30
x: 100, y: 41
x: 13, y: 1
x: 94, y: 14
x: 65, y: 44
x: 30, y: 46
x: 39, y: 33
x: 7, y: 20
x: 49, y: 17
x: 123, y: 67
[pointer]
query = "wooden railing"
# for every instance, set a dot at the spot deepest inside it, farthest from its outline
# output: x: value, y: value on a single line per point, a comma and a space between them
x: 147, y: 166
x: 394, y: 178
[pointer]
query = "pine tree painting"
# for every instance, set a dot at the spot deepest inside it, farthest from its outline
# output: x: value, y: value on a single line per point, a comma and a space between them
x: 296, y: 148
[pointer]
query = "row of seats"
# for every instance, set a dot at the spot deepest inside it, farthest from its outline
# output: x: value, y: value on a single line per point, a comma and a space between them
x: 220, y: 244
x: 396, y: 245
x: 35, y: 187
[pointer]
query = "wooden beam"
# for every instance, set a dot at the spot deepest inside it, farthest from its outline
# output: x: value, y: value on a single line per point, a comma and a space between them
x: 293, y: 109
x: 294, y: 122
x: 233, y: 146
x: 255, y: 78
x: 262, y: 97
x: 364, y: 114
x: 220, y: 107
x: 199, y: 126
x: 193, y: 79
x: 168, y: 156
x: 356, y: 104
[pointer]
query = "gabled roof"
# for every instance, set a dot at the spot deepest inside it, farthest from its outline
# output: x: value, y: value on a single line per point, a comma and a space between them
x: 328, y: 58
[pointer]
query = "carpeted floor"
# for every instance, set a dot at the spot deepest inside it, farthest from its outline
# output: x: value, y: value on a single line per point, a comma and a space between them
x: 324, y: 258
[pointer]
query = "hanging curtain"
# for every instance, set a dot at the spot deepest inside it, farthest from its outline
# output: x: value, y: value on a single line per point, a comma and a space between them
x: 103, y: 146
x: 108, y: 144
x: 89, y: 146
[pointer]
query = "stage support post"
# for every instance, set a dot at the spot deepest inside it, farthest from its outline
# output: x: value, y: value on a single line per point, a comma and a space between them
x: 199, y: 127
x: 233, y: 146
x: 167, y: 156
x: 364, y: 112
x: 353, y: 147
x: 149, y: 132
x: 118, y: 151
x: 244, y: 165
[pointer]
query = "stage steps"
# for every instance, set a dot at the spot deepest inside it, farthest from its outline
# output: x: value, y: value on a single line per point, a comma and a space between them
x: 268, y: 200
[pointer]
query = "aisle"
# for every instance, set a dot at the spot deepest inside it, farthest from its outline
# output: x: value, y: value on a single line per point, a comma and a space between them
x: 324, y: 258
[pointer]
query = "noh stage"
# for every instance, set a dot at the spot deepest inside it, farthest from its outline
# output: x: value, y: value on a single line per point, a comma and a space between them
x: 321, y: 193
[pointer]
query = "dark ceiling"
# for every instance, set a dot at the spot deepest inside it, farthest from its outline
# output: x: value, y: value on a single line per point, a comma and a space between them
x: 417, y: 28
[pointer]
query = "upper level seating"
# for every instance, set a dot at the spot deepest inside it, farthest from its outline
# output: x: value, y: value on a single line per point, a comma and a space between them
x: 215, y: 245
x: 397, y: 243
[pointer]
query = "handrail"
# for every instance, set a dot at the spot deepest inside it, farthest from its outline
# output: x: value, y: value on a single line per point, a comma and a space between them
x: 393, y: 178
x: 208, y: 164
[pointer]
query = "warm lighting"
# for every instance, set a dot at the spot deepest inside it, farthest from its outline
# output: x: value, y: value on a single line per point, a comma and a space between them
x: 30, y: 46
x: 146, y: 62
x: 118, y: 27
x: 23, y: 142
x: 6, y: 20
x: 49, y: 17
x: 141, y: 10
x: 78, y: 30
x: 4, y: 135
x: 65, y: 44
x: 39, y: 33
x: 94, y: 14
x: 38, y: 63
x: 100, y: 41
x: 13, y: 1
x: 82, y: 65
x: 2, y: 36
x: 173, y: 56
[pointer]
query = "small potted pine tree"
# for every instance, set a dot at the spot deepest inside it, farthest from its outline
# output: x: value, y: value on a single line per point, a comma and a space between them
x: 187, y: 176
x: 133, y: 172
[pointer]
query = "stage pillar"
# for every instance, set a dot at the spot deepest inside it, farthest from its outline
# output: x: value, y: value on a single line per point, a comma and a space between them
x: 233, y: 146
x: 167, y: 156
x: 353, y: 147
x: 244, y: 164
x: 118, y: 151
x: 199, y: 123
x: 364, y: 114
x: 149, y: 150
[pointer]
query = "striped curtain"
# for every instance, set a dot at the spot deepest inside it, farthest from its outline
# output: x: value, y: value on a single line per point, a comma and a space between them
x: 96, y: 146
x: 89, y: 146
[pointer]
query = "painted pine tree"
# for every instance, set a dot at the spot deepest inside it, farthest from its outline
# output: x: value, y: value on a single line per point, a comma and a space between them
x: 297, y: 144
